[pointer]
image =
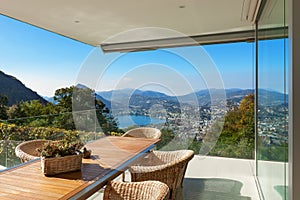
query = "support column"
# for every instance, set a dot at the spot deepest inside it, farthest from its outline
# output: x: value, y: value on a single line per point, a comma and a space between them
x: 294, y: 99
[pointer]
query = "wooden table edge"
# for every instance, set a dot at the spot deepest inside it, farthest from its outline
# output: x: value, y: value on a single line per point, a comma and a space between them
x: 98, y: 184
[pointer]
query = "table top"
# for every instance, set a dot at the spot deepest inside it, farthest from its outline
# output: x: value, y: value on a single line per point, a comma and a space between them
x: 110, y: 157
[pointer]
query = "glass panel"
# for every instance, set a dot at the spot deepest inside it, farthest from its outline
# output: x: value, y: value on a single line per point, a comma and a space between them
x: 49, y: 127
x: 272, y: 107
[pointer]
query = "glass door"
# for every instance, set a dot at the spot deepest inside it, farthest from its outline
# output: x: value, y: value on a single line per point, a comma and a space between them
x: 271, y: 105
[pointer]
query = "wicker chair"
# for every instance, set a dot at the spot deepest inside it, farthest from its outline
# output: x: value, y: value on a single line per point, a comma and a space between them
x: 27, y: 150
x: 166, y: 166
x: 143, y: 132
x: 146, y: 190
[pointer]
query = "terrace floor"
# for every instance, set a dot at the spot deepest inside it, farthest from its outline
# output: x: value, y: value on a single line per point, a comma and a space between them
x: 216, y: 178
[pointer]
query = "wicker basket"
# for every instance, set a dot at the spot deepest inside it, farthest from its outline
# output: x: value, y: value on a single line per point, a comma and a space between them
x: 52, y: 166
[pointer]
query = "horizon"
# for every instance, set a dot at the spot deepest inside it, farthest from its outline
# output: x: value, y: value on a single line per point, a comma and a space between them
x: 145, y: 90
x: 44, y: 62
x: 201, y: 90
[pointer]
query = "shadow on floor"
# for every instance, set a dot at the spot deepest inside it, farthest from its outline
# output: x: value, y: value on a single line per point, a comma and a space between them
x: 211, y: 189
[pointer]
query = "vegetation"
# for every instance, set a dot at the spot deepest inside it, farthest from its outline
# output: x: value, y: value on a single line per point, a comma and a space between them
x: 11, y: 135
x: 78, y: 113
x: 273, y: 152
x: 23, y: 133
x: 167, y: 136
x: 237, y: 136
x: 87, y: 113
x: 33, y: 119
x: 3, y: 107
x: 60, y: 149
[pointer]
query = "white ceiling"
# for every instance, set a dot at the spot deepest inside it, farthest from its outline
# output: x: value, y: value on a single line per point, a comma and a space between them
x: 95, y: 21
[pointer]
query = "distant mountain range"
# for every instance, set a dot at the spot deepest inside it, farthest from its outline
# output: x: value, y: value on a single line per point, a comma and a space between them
x: 16, y: 91
x: 98, y: 97
x: 137, y: 98
x: 121, y: 99
x: 50, y: 99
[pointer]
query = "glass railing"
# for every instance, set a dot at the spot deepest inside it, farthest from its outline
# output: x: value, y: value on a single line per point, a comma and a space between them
x: 206, y: 136
x: 49, y: 127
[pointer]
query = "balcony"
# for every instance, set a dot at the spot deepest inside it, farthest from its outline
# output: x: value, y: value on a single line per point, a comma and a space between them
x: 221, y: 178
x: 216, y: 178
x: 209, y: 177
x: 206, y: 177
x: 272, y: 175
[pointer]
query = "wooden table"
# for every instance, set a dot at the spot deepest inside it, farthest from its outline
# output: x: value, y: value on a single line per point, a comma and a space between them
x: 110, y: 157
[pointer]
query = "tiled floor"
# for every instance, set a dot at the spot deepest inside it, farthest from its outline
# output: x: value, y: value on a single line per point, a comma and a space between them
x: 272, y: 179
x: 220, y: 179
x: 216, y: 178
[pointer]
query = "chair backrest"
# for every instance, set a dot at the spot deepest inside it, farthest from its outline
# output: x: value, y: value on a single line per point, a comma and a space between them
x: 145, y: 190
x: 28, y: 150
x: 168, y: 167
x: 143, y: 132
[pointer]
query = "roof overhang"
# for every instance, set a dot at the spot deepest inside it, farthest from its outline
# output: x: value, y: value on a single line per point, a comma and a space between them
x: 96, y: 22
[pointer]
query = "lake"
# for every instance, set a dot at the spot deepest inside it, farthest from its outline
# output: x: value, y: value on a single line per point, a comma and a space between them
x: 139, y: 120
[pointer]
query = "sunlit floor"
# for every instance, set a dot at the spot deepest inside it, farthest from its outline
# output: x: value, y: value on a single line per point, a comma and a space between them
x: 215, y: 178
x: 220, y: 179
x: 273, y: 180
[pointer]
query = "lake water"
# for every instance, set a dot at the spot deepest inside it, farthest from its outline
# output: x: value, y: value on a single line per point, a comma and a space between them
x: 139, y: 120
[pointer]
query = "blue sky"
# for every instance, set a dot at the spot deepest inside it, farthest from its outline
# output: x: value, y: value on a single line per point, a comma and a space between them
x: 45, y: 61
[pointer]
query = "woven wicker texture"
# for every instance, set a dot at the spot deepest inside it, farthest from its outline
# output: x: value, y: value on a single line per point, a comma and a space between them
x: 27, y: 150
x: 166, y: 166
x: 146, y: 190
x: 143, y: 132
x: 52, y: 166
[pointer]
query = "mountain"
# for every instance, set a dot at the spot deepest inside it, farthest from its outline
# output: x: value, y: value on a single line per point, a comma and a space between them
x: 138, y: 99
x: 16, y: 91
x: 271, y: 97
x: 98, y: 97
x: 203, y: 97
x: 120, y: 95
x: 106, y: 102
x: 50, y: 99
x: 117, y: 94
x: 81, y: 86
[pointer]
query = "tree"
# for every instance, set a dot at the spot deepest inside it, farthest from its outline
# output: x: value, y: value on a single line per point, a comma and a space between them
x: 32, y: 113
x: 76, y: 108
x: 83, y: 111
x: 3, y: 107
x: 247, y: 117
x: 237, y: 137
x: 64, y: 98
x: 167, y: 135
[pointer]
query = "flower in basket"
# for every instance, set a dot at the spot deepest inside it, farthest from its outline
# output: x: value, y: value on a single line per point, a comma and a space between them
x: 60, y: 148
x: 60, y: 157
